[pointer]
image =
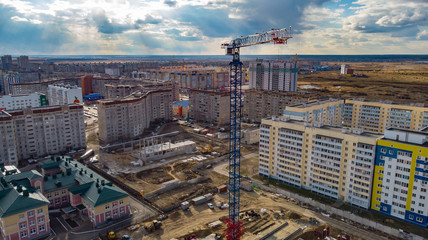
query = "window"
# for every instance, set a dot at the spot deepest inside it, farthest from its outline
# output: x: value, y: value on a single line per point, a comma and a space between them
x: 419, y: 219
x: 384, y: 209
x: 49, y: 195
x: 63, y: 192
x: 64, y: 199
x: 57, y: 201
x: 108, y: 215
x: 56, y: 194
x: 121, y: 202
x: 39, y: 211
x: 42, y: 228
x: 32, y: 223
x: 21, y: 216
x: 114, y: 204
x: 107, y: 206
x: 22, y: 226
x: 33, y: 231
x: 31, y: 214
x: 41, y: 219
x: 24, y: 234
x: 115, y: 212
x: 122, y: 210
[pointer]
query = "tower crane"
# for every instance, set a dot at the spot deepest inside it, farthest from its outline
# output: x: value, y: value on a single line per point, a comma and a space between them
x: 277, y: 36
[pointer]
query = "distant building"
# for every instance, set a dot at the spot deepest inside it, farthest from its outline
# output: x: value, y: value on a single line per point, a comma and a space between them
x: 209, y: 106
x: 34, y: 100
x: 86, y: 84
x: 8, y: 79
x: 64, y: 94
x: 400, y: 181
x: 330, y: 161
x: 23, y: 63
x: 127, y: 118
x: 37, y: 132
x: 262, y: 104
x: 250, y: 135
x: 113, y: 72
x: 181, y: 109
x: 327, y: 111
x: 273, y: 75
x: 346, y: 70
x: 6, y: 63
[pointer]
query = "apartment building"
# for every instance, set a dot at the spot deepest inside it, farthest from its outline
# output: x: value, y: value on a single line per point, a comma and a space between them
x: 127, y: 118
x: 400, y: 181
x: 273, y: 75
x: 61, y: 94
x: 331, y: 161
x: 262, y: 104
x: 32, y: 133
x: 209, y: 106
x: 326, y: 111
x: 24, y: 210
x: 13, y: 102
x: 377, y: 116
x: 71, y: 186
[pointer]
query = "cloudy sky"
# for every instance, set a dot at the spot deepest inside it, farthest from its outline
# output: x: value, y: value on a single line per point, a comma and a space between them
x: 199, y: 26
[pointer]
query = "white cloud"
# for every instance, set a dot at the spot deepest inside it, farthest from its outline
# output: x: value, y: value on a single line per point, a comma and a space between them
x: 19, y: 19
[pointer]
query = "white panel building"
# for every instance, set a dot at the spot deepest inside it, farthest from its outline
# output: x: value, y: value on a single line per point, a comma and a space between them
x: 273, y: 75
x: 33, y: 100
x: 64, y: 95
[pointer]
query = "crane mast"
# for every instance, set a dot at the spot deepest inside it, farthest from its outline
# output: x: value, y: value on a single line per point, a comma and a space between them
x: 280, y: 36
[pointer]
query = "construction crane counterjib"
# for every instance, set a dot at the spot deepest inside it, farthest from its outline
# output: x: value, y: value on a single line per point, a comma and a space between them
x: 279, y: 36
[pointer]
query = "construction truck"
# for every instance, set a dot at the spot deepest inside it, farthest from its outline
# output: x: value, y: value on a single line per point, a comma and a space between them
x: 152, y: 226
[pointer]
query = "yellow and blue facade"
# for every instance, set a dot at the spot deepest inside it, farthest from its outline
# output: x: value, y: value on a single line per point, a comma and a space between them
x: 400, y: 181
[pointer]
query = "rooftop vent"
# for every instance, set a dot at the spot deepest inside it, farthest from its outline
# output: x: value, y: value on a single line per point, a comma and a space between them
x: 58, y: 183
x: 19, y: 188
x: 26, y: 193
x: 99, y: 190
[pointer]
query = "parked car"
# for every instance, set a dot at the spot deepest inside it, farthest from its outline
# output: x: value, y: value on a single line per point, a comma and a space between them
x: 31, y: 161
x: 210, y: 205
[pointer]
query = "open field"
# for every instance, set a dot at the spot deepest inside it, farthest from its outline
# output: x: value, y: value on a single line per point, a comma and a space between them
x: 407, y: 83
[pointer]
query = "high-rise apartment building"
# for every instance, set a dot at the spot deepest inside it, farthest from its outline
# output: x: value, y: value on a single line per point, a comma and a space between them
x: 32, y: 133
x: 327, y: 112
x: 330, y: 161
x: 6, y: 62
x: 61, y: 94
x: 209, y: 106
x: 400, y: 182
x: 273, y: 75
x: 86, y: 84
x: 377, y: 116
x: 262, y: 104
x: 8, y: 80
x: 127, y: 118
x: 23, y: 63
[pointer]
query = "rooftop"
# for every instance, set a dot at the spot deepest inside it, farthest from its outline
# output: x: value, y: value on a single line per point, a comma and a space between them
x: 314, y: 103
x: 81, y: 180
x: 354, y: 132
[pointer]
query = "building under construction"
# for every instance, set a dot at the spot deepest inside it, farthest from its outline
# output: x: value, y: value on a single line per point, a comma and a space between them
x: 273, y: 75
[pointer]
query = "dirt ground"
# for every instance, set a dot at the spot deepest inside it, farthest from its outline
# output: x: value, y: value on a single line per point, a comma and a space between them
x: 397, y: 82
x: 180, y: 224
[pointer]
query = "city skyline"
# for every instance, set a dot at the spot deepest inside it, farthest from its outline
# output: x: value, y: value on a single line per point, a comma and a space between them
x: 200, y: 26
